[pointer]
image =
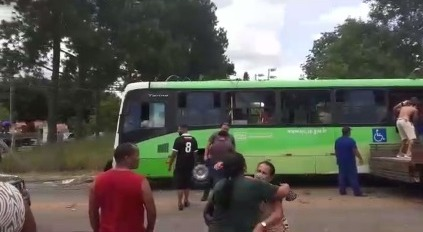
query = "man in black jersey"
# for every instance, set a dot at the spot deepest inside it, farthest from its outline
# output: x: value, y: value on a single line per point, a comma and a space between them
x: 185, y: 149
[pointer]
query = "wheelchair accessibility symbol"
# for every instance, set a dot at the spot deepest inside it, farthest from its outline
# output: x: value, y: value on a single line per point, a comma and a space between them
x: 379, y: 135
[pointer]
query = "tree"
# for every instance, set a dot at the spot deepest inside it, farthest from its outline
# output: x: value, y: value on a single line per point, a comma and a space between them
x: 159, y: 38
x: 390, y: 44
x: 246, y: 77
x: 405, y: 18
x: 4, y: 113
x: 30, y: 101
x: 107, y: 40
x: 93, y: 55
x: 194, y: 24
x: 42, y: 24
x: 109, y: 107
x: 356, y: 49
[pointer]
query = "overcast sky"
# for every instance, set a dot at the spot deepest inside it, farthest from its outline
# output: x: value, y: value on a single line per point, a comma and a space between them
x: 275, y: 33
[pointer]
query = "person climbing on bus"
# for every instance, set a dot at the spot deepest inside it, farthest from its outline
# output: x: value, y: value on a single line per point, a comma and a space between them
x: 346, y: 153
x: 224, y: 127
x: 185, y: 150
x: 407, y: 116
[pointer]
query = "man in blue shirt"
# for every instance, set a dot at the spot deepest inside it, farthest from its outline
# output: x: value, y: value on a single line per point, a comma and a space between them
x: 346, y: 152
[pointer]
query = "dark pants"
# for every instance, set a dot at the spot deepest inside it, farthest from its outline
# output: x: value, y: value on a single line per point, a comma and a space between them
x: 214, y: 177
x: 348, y: 176
x: 182, y: 178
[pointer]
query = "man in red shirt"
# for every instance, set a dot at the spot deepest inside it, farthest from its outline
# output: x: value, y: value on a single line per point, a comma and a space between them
x: 122, y: 196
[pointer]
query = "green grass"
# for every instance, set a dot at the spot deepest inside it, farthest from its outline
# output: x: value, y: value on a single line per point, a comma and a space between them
x: 83, y: 155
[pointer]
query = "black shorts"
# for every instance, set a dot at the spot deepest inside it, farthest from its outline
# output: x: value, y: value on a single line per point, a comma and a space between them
x: 182, y: 179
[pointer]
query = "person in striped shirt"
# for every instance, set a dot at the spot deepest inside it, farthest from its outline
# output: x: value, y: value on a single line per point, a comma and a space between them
x: 15, y: 213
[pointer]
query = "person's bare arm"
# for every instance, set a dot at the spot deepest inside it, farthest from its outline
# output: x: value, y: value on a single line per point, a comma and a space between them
x: 195, y: 148
x: 150, y: 206
x: 357, y: 154
x: 172, y: 158
x: 274, y: 218
x: 29, y: 224
x: 93, y: 210
x: 282, y: 192
x: 398, y: 106
x: 207, y: 150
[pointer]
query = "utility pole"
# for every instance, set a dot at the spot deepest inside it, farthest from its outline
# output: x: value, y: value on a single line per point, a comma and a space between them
x: 11, y: 109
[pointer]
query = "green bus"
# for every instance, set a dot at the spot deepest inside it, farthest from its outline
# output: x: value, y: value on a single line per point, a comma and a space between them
x: 292, y: 123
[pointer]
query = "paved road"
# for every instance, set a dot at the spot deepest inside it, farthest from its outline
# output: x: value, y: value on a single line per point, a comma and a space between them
x: 64, y: 209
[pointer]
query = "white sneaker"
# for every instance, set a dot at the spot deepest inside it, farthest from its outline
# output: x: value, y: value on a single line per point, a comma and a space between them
x: 400, y: 155
x: 407, y: 156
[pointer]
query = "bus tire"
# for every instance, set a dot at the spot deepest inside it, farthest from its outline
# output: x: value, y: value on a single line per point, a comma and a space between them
x: 200, y: 176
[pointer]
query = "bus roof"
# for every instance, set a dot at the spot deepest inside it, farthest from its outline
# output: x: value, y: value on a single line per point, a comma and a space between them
x: 234, y: 84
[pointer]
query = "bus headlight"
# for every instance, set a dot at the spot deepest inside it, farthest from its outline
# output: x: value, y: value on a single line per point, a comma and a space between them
x: 200, y: 172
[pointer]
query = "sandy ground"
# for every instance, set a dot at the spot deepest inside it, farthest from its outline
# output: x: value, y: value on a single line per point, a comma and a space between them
x: 64, y: 209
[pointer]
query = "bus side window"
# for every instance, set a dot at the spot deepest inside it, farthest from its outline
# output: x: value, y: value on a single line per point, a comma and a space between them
x: 358, y: 106
x: 301, y: 107
x: 132, y: 116
x: 143, y: 115
x: 199, y: 108
x: 253, y: 107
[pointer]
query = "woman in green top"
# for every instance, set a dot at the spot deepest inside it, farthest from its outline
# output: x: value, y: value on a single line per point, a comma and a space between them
x: 236, y: 200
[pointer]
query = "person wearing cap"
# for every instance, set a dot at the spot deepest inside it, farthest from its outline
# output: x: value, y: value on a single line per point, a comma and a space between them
x: 346, y: 153
x: 407, y: 116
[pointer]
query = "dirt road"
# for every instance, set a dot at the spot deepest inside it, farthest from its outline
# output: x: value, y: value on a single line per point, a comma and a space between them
x: 318, y: 209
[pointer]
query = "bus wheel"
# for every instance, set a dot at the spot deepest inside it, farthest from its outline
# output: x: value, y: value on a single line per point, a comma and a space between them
x: 200, y: 176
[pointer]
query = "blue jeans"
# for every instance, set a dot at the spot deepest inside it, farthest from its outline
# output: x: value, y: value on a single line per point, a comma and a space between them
x: 348, y: 176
